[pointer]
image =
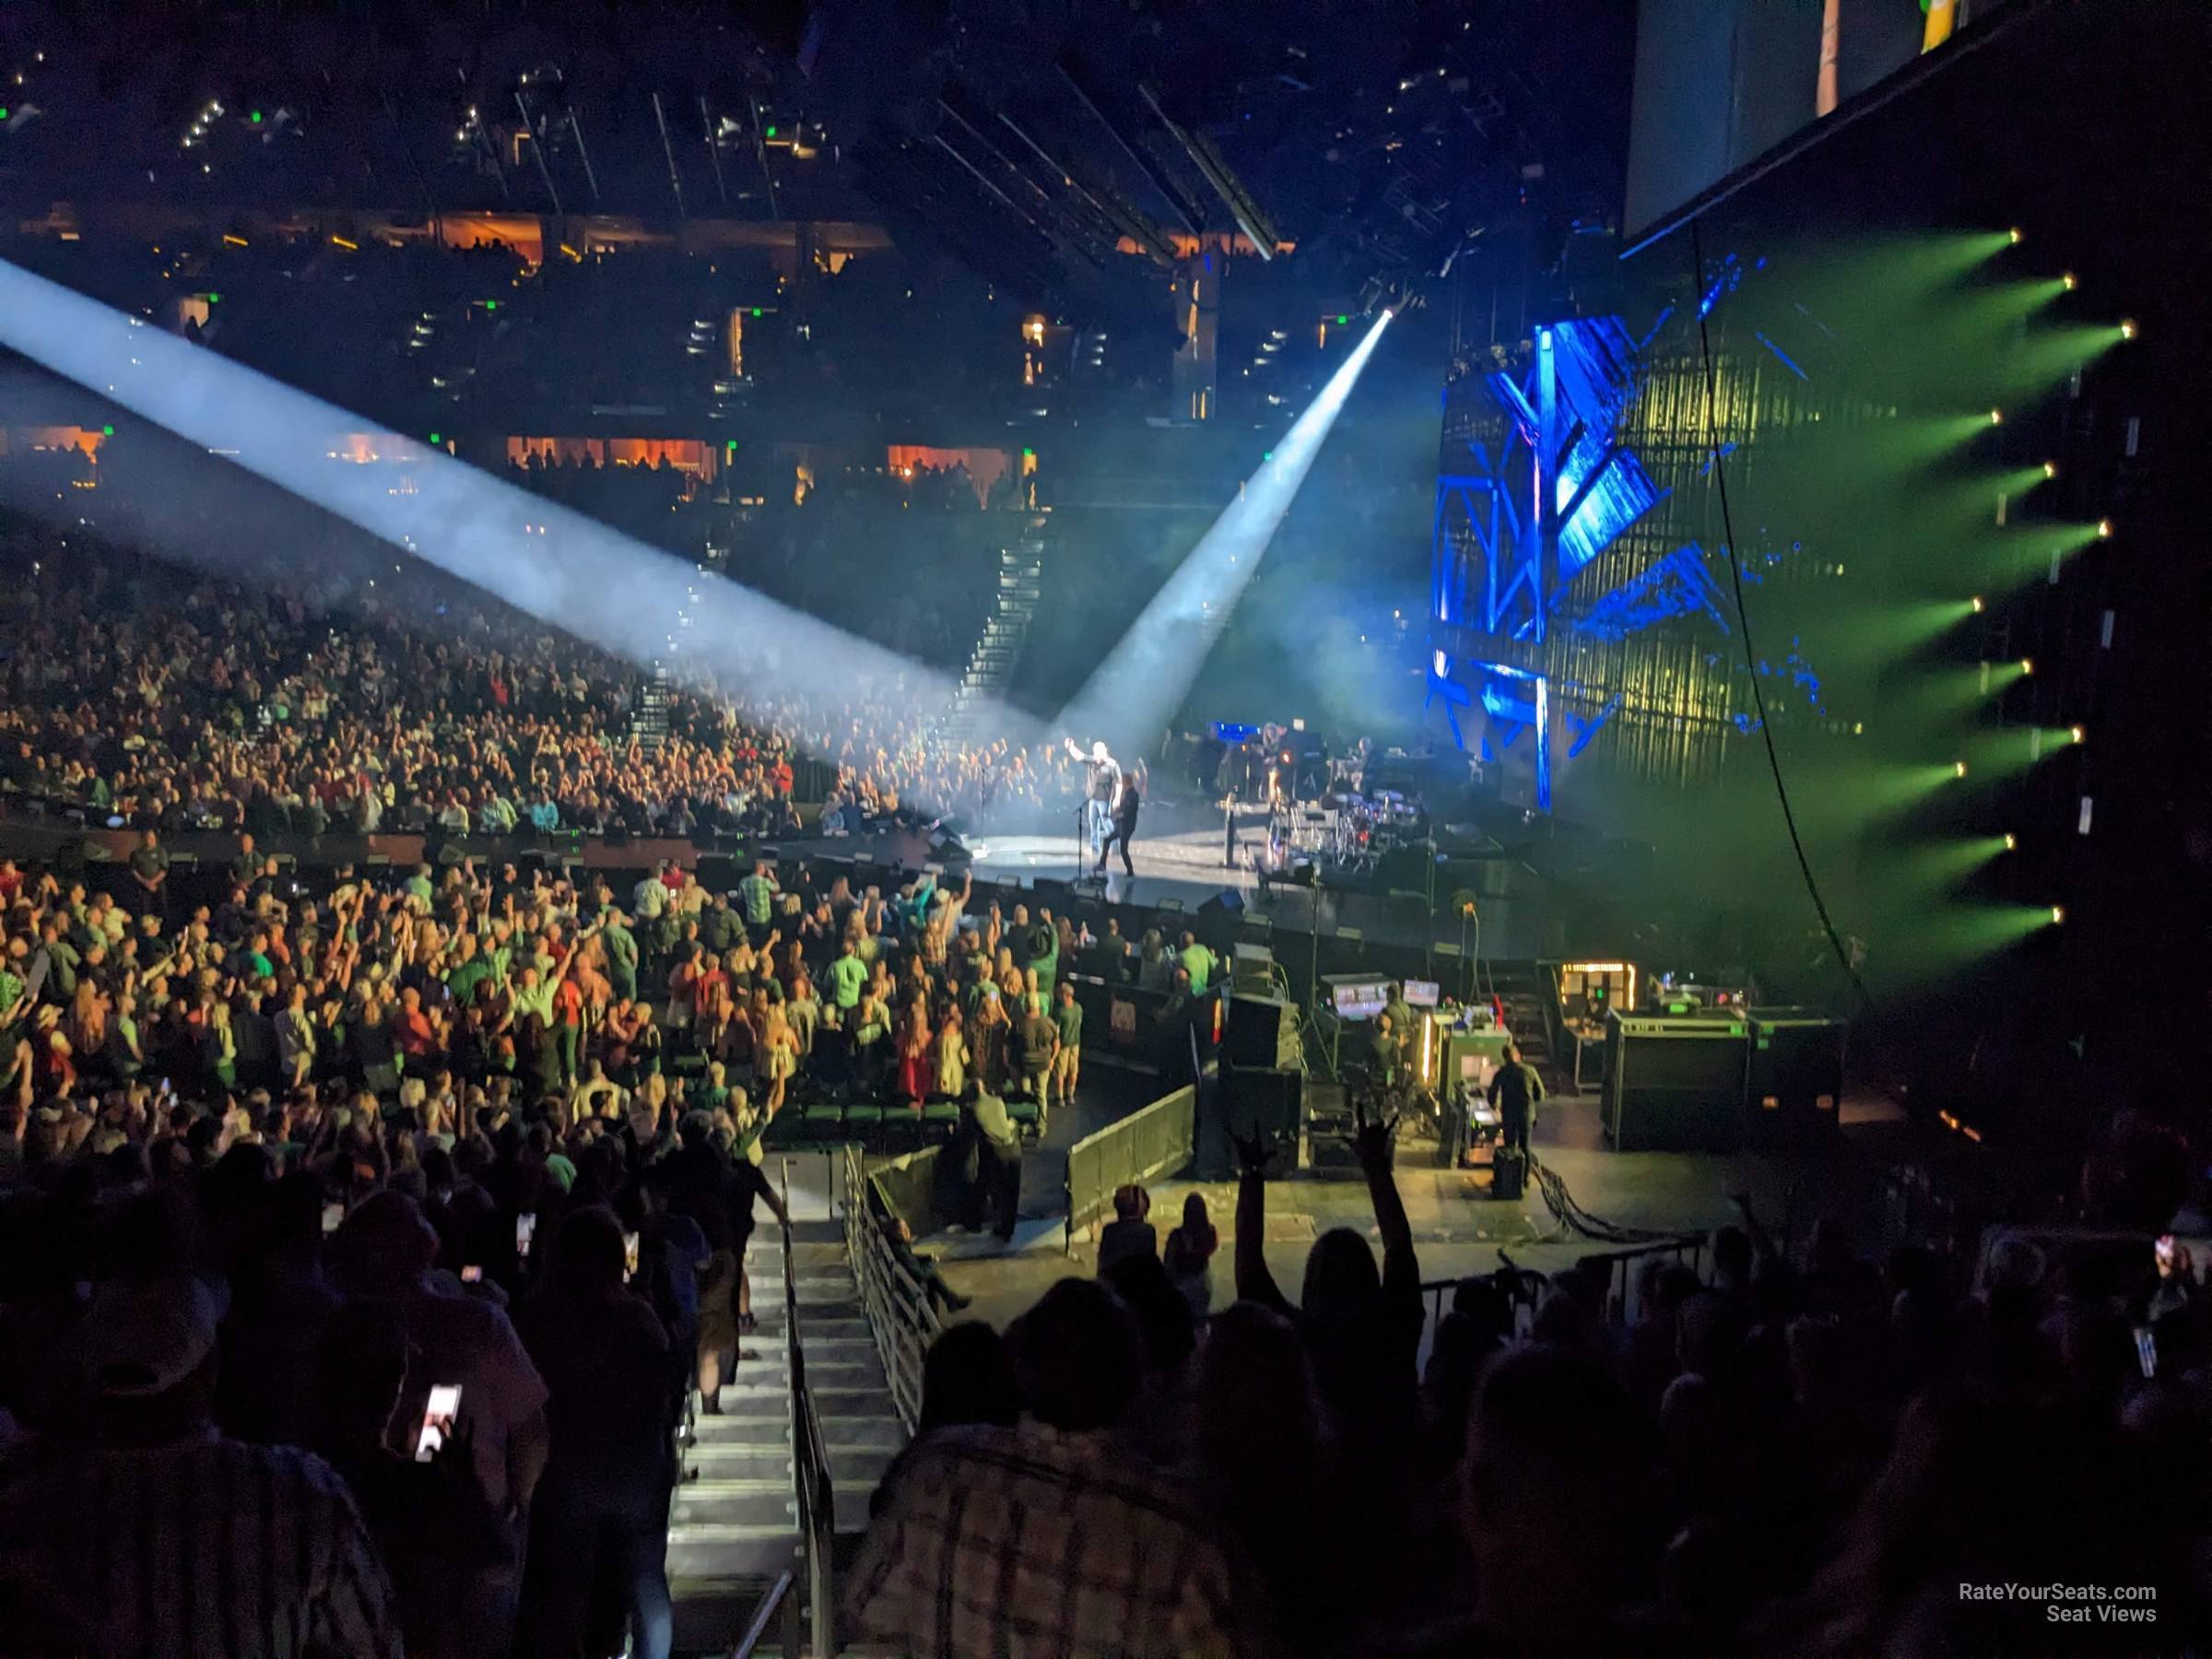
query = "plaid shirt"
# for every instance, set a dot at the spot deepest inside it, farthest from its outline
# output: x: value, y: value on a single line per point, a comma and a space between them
x: 207, y: 1548
x: 1031, y: 1541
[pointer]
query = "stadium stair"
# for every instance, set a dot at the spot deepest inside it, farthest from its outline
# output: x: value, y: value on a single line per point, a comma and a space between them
x: 649, y: 718
x: 733, y: 1525
x: 998, y: 650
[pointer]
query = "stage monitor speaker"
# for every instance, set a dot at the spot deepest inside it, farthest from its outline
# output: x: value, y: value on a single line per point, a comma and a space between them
x: 1253, y: 973
x: 1261, y: 1032
x: 1674, y: 1084
x: 1267, y: 1100
x: 1217, y: 919
x: 1795, y: 1090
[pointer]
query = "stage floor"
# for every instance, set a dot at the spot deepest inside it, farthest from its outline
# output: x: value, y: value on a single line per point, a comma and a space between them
x: 1183, y: 867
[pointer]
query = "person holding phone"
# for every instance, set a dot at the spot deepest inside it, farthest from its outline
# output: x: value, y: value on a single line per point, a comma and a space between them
x: 602, y: 1510
x: 382, y: 1259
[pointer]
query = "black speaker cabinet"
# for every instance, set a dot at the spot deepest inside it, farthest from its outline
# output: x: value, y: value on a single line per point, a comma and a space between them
x: 1260, y: 1032
x: 1795, y: 1090
x: 1674, y: 1084
x: 1272, y: 1102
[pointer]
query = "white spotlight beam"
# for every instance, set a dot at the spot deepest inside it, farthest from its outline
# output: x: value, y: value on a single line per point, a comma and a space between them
x: 1133, y: 694
x: 630, y: 599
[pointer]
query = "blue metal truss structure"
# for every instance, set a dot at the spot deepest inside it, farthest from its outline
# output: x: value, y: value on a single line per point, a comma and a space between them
x: 1549, y: 561
x: 1547, y: 487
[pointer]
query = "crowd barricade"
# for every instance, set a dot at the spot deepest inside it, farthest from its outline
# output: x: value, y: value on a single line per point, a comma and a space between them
x: 1148, y: 1145
x: 1148, y: 1031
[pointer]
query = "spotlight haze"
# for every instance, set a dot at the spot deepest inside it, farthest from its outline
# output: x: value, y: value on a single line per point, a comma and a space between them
x: 1136, y: 691
x: 556, y: 565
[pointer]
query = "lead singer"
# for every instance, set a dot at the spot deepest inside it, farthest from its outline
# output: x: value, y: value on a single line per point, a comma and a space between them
x: 1099, y: 791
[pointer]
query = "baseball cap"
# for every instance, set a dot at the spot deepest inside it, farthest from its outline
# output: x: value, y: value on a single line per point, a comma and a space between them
x: 142, y: 1337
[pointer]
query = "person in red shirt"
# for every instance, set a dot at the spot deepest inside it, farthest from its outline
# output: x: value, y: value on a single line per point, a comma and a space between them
x: 412, y: 1032
x: 568, y: 1024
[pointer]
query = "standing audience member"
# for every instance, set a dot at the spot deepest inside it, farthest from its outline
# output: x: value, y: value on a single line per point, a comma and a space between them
x: 1129, y: 1233
x: 602, y: 1506
x: 136, y: 1526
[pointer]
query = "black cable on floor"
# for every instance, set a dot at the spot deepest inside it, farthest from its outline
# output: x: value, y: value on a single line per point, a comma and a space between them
x: 1743, y: 621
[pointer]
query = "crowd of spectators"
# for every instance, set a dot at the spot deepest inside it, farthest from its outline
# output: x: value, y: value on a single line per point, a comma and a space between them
x: 173, y: 700
x: 278, y: 1160
x: 1818, y: 1454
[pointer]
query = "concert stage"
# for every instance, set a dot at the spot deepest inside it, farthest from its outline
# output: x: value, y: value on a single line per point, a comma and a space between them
x: 1180, y: 863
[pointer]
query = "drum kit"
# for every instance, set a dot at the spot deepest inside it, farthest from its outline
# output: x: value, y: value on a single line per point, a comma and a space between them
x: 1344, y: 836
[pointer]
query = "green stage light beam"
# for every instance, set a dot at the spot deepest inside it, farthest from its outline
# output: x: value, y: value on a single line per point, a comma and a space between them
x: 2037, y: 544
x: 1955, y: 690
x: 1972, y: 931
x: 2014, y: 749
x: 1944, y: 864
x: 1914, y: 625
x: 1893, y: 789
x: 2048, y: 356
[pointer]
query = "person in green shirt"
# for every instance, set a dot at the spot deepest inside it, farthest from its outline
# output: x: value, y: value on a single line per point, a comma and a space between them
x: 1398, y: 1009
x: 846, y: 978
x: 1041, y: 951
x: 621, y: 955
x: 1067, y: 1064
x: 1197, y: 961
x: 418, y: 886
x: 463, y: 978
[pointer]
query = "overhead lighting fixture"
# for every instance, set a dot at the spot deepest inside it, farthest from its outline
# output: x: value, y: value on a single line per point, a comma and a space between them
x: 2011, y: 842
x: 2127, y: 330
x: 2026, y: 665
x: 2104, y: 529
x: 2071, y: 281
x: 2079, y: 733
x: 2049, y: 469
x: 1996, y: 418
x: 2058, y: 914
x: 2016, y: 236
x: 1959, y: 769
x: 1976, y: 604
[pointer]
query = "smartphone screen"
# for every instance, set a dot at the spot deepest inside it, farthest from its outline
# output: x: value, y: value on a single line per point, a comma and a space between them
x: 2147, y: 1351
x: 525, y: 1227
x: 2162, y: 1253
x: 472, y: 1274
x: 332, y: 1215
x: 438, y: 1421
x: 630, y: 1256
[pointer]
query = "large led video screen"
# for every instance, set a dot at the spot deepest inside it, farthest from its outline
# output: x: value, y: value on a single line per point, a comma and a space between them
x: 1720, y: 82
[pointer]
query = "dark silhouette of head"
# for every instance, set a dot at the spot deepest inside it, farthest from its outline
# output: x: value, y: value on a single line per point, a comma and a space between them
x: 1078, y: 1356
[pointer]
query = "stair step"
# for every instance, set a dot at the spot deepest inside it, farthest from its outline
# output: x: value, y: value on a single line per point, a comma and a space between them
x: 730, y: 1551
x: 863, y: 1465
x: 734, y: 1502
x: 740, y: 1403
x: 812, y: 1323
x: 745, y: 1422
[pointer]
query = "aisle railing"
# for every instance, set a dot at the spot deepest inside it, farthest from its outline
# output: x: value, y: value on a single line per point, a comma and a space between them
x: 811, y: 1480
x: 903, y: 1321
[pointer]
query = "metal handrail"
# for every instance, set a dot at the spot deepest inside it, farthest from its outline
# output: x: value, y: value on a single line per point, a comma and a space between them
x: 811, y: 1480
x: 1617, y: 1266
x: 903, y: 1321
x: 764, y: 1617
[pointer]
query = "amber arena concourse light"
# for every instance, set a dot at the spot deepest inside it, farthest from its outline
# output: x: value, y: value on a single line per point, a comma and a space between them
x: 558, y: 566
x: 1137, y: 690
